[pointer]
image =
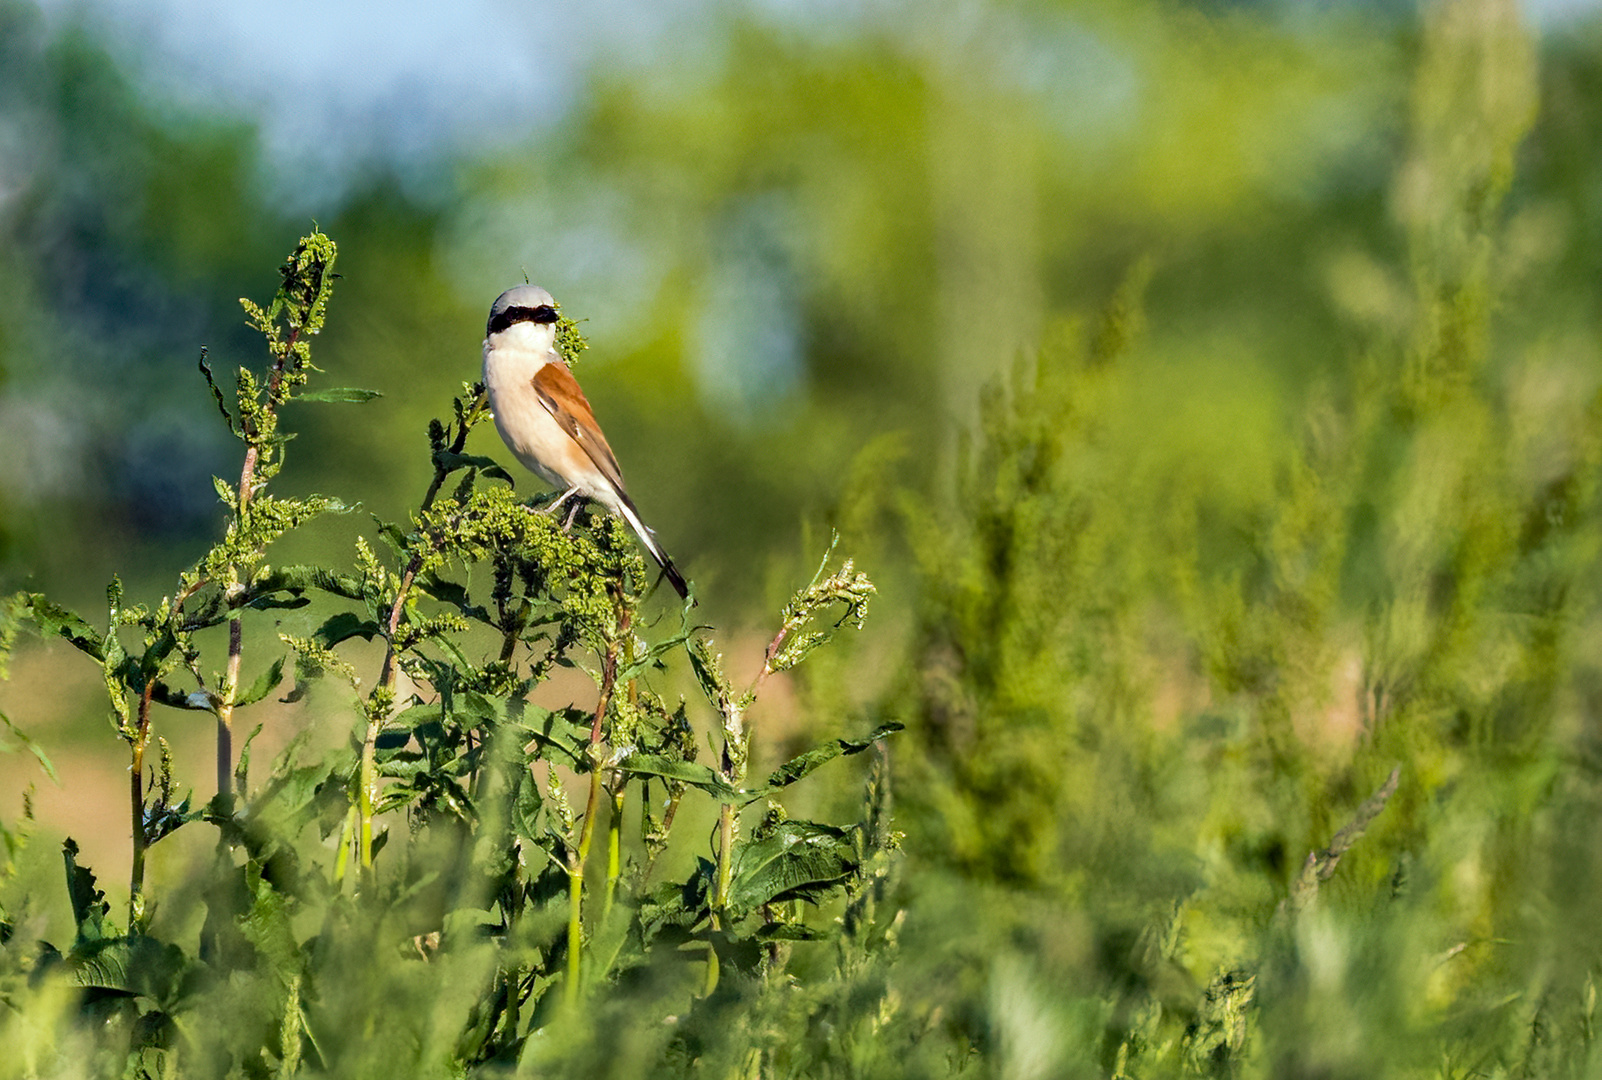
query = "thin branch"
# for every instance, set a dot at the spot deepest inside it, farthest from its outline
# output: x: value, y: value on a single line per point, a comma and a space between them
x: 236, y: 629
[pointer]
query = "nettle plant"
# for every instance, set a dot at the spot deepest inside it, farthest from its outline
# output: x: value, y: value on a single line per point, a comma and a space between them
x: 458, y: 831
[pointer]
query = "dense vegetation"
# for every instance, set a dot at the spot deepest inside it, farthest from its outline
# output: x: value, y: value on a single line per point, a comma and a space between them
x: 1235, y: 608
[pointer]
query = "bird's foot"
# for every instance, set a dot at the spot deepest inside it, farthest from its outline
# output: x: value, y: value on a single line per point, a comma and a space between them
x: 555, y: 504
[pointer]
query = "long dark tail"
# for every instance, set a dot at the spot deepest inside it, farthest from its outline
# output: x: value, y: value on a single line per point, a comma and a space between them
x: 648, y: 538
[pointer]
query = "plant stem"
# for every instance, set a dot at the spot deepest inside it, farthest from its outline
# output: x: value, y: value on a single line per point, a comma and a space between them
x: 342, y: 860
x: 514, y: 996
x: 367, y: 797
x: 225, y: 711
x: 720, y: 900
x: 575, y: 883
x: 236, y: 630
x: 736, y: 751
x: 136, y: 798
x: 592, y: 806
x: 614, y: 852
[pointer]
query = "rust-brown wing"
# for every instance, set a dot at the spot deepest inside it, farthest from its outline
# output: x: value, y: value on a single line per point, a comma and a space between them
x: 560, y: 394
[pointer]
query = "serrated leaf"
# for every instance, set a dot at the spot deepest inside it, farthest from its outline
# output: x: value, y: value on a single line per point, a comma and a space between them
x: 799, y: 860
x: 135, y: 965
x: 53, y: 620
x: 448, y: 592
x: 89, y: 906
x: 267, y: 924
x: 652, y: 657
x: 264, y: 684
x: 480, y: 706
x: 682, y: 904
x: 216, y: 392
x: 196, y: 700
x: 242, y: 766
x: 343, y: 627
x: 803, y: 764
x: 339, y: 395
x: 557, y: 730
x: 487, y: 466
x: 265, y: 603
x: 163, y: 821
x: 526, y: 812
x: 392, y: 536
x: 689, y: 772
x: 309, y: 577
x: 105, y: 968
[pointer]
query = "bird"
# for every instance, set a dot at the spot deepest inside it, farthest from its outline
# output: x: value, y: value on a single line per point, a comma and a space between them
x: 545, y: 419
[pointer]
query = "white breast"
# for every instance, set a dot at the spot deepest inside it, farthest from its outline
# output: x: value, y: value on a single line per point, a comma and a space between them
x: 525, y: 425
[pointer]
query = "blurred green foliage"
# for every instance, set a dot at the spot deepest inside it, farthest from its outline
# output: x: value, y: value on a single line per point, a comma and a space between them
x: 1212, y: 389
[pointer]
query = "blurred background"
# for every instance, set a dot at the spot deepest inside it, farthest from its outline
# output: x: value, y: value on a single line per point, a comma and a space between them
x: 791, y: 229
x: 1210, y: 388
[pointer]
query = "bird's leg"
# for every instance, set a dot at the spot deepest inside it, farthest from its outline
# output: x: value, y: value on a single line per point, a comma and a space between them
x: 566, y: 495
x: 571, y: 514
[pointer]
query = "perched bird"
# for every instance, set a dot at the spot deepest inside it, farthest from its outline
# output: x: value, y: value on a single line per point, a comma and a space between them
x: 543, y: 416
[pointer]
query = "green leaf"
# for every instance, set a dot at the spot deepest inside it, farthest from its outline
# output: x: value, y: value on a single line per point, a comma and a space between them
x: 198, y: 700
x: 525, y: 809
x: 450, y: 592
x: 391, y: 534
x: 242, y: 766
x: 104, y: 968
x: 450, y: 462
x: 480, y: 706
x: 267, y: 924
x: 690, y: 772
x: 294, y: 600
x: 216, y: 392
x: 339, y: 395
x: 264, y: 684
x: 134, y: 965
x: 89, y: 906
x: 652, y: 657
x: 799, y: 860
x: 679, y: 904
x: 802, y: 764
x: 343, y: 627
x: 560, y: 730
x: 53, y: 620
x: 293, y: 578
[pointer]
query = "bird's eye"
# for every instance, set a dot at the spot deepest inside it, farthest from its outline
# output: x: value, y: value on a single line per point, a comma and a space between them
x: 545, y: 314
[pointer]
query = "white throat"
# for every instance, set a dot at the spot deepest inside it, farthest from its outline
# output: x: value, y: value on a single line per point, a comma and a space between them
x: 533, y: 336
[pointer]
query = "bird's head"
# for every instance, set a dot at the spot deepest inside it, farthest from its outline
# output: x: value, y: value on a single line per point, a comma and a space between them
x: 525, y: 315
